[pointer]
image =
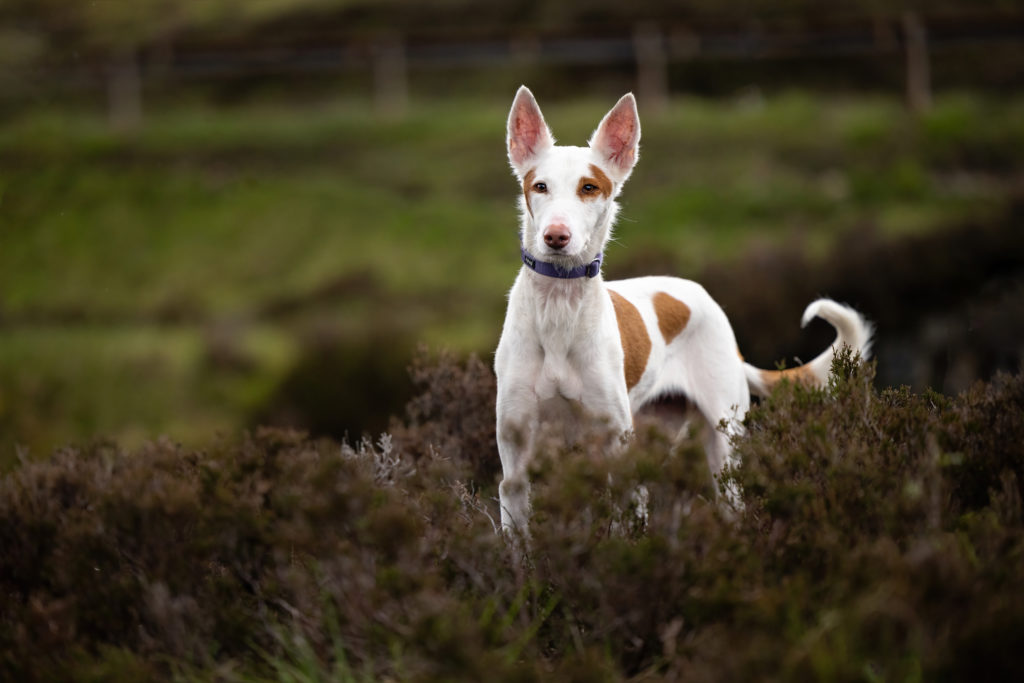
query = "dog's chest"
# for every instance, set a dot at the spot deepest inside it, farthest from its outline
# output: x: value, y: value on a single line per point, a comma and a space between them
x: 570, y: 333
x: 559, y: 377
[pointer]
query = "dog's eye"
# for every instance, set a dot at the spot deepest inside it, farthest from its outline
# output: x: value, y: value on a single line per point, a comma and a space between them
x: 540, y: 187
x: 588, y: 188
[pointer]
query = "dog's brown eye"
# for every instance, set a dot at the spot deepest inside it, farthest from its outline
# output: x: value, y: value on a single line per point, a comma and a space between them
x: 540, y: 187
x: 588, y: 188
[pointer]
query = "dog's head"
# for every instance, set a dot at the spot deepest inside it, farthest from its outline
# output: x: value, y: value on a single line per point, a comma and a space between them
x: 569, y: 192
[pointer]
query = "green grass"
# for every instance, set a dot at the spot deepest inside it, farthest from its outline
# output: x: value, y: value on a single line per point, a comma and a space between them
x: 133, y: 241
x: 207, y: 216
x: 222, y: 209
x: 60, y: 384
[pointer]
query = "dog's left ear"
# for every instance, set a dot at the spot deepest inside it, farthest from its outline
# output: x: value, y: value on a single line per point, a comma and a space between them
x: 617, y: 138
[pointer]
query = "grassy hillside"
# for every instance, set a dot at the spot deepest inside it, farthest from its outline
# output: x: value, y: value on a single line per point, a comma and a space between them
x: 175, y: 280
x: 881, y: 539
x: 213, y: 211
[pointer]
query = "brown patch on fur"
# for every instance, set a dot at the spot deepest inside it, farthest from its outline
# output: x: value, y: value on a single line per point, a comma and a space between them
x: 799, y: 375
x: 740, y: 354
x: 599, y: 180
x: 636, y: 344
x: 528, y: 187
x: 673, y: 315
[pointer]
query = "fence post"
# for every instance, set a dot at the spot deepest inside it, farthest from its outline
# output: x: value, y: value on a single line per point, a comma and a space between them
x: 919, y: 87
x: 651, y: 66
x: 390, y: 76
x: 124, y: 92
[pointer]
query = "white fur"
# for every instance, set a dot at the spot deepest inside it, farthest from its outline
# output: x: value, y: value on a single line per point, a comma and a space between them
x: 560, y: 345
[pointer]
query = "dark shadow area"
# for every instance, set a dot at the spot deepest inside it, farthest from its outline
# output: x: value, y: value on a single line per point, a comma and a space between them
x: 343, y: 386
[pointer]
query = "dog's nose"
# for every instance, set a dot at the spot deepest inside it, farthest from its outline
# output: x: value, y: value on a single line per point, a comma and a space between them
x: 557, y: 235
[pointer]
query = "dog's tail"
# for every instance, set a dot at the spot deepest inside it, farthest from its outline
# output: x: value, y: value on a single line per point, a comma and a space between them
x: 852, y: 330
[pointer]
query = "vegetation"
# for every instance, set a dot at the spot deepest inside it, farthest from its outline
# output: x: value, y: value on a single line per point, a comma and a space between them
x: 251, y: 277
x: 882, y: 539
x: 220, y: 269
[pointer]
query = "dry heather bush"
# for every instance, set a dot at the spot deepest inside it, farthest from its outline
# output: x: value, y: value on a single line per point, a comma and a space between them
x: 453, y: 414
x: 882, y: 539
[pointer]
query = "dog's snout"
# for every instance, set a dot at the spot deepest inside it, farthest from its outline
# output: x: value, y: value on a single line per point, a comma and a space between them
x: 557, y: 235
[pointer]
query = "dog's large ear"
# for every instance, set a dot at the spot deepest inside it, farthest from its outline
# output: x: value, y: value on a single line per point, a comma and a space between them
x: 617, y: 138
x: 528, y: 135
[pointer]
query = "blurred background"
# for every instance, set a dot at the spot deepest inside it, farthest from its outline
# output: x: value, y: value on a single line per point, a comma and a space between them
x: 220, y: 214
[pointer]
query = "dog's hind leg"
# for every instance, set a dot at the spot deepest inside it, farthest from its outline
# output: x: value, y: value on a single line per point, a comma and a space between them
x: 722, y: 411
x: 718, y: 446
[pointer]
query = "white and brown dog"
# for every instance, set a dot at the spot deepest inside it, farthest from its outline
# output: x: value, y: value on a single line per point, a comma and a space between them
x: 610, y: 348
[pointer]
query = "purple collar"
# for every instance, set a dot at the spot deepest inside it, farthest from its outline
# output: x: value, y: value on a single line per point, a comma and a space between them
x: 590, y: 270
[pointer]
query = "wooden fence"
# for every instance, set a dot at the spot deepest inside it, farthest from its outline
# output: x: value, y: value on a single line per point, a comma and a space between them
x: 649, y: 49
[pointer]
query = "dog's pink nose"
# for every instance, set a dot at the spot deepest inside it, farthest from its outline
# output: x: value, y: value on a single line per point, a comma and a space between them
x: 557, y: 235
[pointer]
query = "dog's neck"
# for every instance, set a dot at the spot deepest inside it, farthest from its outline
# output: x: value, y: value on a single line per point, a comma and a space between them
x: 546, y: 268
x: 563, y: 298
x: 558, y: 303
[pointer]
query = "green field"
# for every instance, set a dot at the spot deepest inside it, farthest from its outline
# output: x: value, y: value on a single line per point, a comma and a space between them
x: 168, y: 281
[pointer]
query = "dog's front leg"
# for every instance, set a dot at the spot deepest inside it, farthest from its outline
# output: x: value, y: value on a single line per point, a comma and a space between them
x: 517, y: 413
x: 517, y: 365
x: 604, y: 394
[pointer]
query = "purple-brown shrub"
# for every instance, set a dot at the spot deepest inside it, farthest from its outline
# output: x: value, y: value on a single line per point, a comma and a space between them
x: 882, y: 537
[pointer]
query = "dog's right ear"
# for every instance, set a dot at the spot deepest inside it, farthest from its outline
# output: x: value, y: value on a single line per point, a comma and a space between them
x: 528, y: 135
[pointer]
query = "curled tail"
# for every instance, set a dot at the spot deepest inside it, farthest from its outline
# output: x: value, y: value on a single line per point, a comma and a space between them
x: 851, y: 329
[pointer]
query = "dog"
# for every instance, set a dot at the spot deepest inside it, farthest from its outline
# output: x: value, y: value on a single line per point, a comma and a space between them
x: 610, y: 348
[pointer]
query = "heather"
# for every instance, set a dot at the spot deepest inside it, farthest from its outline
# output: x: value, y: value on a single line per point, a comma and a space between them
x: 881, y: 539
